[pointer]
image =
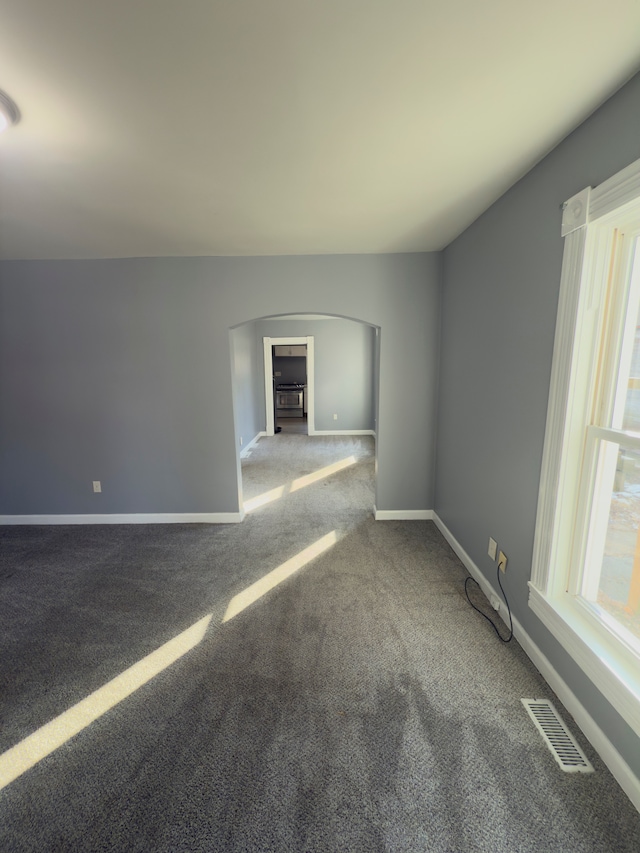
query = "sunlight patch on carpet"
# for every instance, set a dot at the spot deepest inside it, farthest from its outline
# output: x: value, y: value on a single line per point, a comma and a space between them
x: 264, y: 498
x: 261, y: 587
x: 20, y: 758
x: 308, y: 480
x: 321, y: 473
x: 41, y: 743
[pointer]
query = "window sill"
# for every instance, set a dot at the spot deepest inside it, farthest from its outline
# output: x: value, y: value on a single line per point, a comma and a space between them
x: 615, y: 674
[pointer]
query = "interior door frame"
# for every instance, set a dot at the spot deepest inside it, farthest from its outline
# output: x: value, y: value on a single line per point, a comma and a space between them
x: 268, y: 343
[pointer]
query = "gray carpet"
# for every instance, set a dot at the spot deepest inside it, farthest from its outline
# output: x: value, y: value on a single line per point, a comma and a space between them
x: 361, y: 705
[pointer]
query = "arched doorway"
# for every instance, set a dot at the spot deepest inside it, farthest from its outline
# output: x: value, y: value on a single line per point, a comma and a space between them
x: 343, y: 376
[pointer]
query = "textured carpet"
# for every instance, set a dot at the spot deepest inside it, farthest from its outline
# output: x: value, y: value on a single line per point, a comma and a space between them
x: 360, y: 705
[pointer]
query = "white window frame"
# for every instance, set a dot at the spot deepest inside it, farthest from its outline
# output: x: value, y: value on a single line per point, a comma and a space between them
x: 587, y: 227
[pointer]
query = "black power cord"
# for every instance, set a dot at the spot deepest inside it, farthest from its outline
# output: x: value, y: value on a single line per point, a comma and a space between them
x: 491, y: 622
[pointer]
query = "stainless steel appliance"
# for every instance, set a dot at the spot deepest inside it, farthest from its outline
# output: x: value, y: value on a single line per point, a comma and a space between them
x: 290, y: 401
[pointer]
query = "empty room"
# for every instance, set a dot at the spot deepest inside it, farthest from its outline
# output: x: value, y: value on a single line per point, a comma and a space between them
x: 320, y: 426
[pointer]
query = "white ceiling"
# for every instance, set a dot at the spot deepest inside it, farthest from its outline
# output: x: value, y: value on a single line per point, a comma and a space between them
x: 250, y: 127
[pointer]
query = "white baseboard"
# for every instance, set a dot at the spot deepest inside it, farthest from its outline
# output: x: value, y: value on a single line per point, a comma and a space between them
x: 403, y: 514
x: 341, y: 432
x: 486, y: 587
x: 128, y: 518
x: 253, y: 441
x: 619, y: 768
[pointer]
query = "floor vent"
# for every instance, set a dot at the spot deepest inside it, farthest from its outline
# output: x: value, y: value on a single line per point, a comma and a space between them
x: 557, y: 737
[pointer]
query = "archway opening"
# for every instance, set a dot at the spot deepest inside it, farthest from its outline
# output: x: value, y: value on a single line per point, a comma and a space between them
x: 341, y: 393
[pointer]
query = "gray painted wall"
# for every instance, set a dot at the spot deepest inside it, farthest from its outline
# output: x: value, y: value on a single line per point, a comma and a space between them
x: 292, y: 368
x: 344, y: 368
x: 247, y: 393
x: 501, y: 285
x: 120, y: 370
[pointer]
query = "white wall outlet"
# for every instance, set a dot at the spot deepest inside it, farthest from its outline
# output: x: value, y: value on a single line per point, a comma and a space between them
x: 278, y: 373
x: 502, y: 561
x: 493, y: 548
x: 97, y: 486
x: 240, y: 441
x: 495, y: 602
x: 335, y: 417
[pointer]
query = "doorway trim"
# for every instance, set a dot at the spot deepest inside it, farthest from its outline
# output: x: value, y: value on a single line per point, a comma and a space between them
x: 268, y: 343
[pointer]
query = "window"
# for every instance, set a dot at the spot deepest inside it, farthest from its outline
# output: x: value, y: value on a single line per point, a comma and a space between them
x: 585, y: 583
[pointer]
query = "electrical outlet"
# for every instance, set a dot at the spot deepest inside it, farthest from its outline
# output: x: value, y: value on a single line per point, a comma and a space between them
x: 493, y: 548
x: 240, y: 441
x: 335, y: 417
x: 97, y: 486
x: 495, y: 602
x: 502, y: 561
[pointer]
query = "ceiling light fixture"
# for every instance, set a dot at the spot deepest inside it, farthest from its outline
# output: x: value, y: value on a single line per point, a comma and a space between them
x: 9, y: 112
